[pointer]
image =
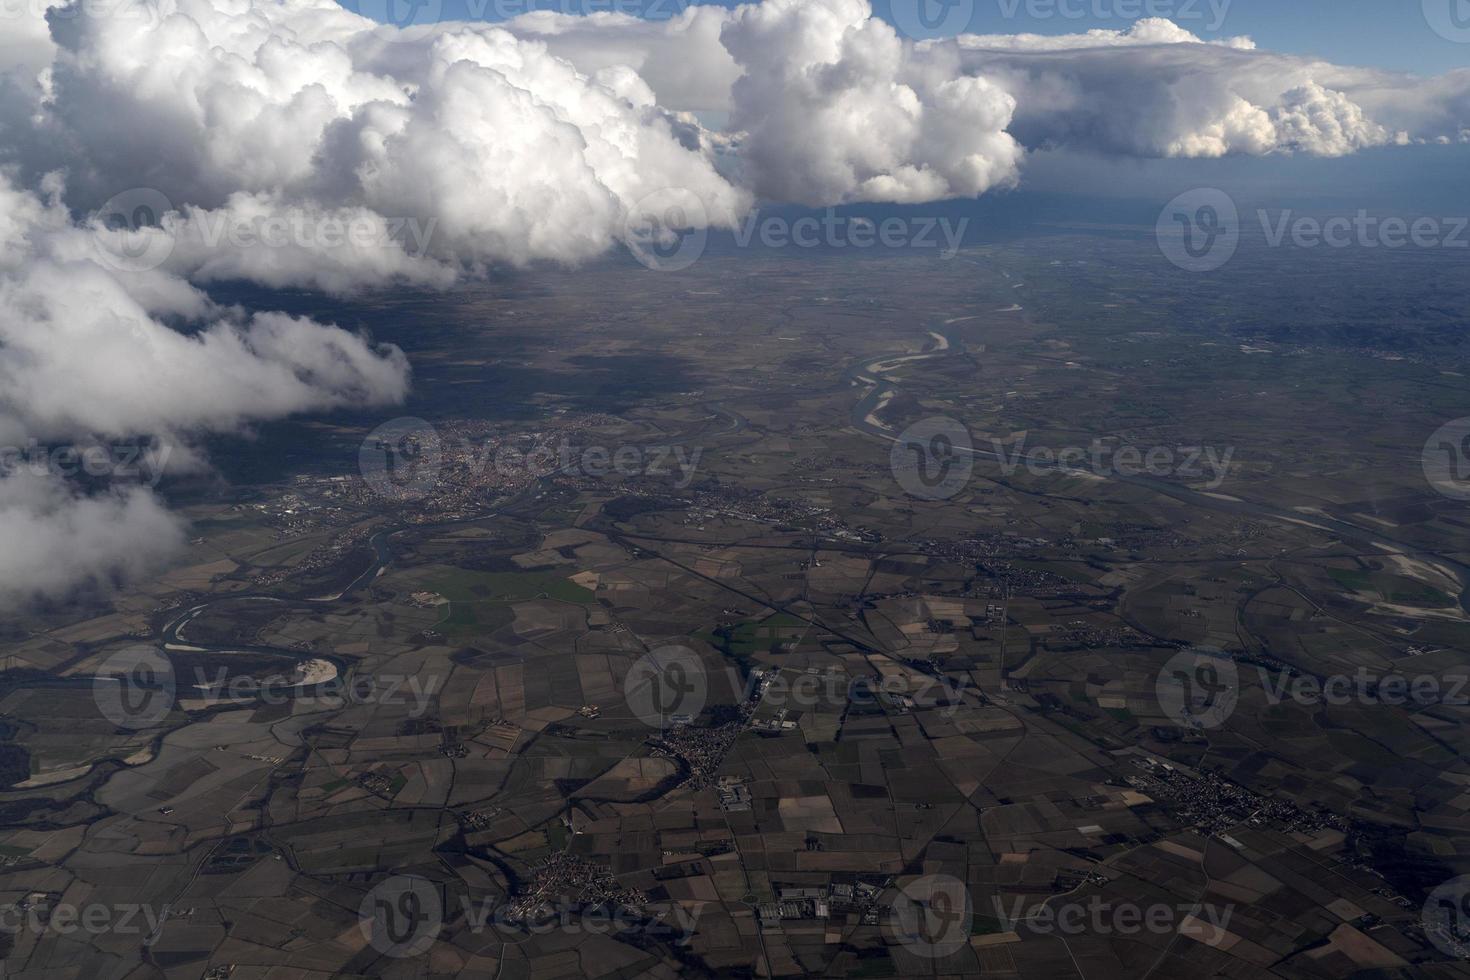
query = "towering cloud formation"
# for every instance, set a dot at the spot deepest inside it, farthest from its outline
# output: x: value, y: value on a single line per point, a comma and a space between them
x: 1152, y: 90
x: 512, y: 153
x: 834, y: 107
x: 537, y: 139
x: 294, y: 143
x: 1157, y: 90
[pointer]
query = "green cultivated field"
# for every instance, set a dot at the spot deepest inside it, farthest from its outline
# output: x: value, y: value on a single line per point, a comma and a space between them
x: 479, y: 601
x: 463, y: 585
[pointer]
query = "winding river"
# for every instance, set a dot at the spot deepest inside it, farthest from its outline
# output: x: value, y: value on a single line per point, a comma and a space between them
x: 869, y: 372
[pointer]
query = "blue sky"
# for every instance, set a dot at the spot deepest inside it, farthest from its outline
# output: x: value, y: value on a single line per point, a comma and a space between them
x: 1380, y: 33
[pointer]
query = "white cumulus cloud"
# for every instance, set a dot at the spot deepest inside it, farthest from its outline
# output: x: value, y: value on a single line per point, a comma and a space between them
x: 833, y: 107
